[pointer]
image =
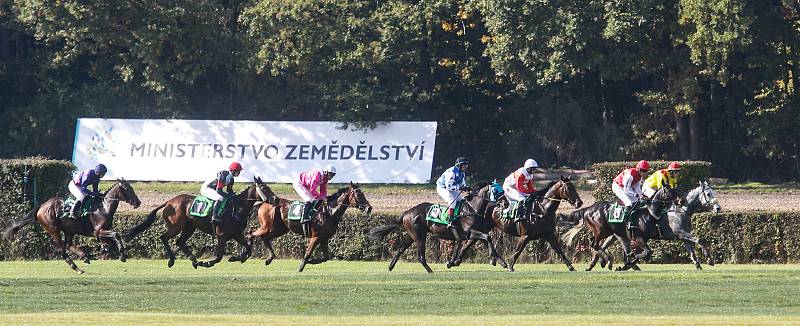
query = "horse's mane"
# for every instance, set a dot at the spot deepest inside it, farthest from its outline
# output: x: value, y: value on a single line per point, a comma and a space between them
x: 332, y: 198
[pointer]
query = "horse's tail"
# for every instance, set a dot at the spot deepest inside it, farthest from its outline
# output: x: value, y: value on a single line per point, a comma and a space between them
x: 379, y: 232
x: 569, y: 236
x: 144, y: 225
x: 18, y: 224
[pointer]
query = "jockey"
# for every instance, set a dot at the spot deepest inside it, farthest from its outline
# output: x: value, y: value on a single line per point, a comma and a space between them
x: 79, y: 186
x: 658, y: 179
x: 664, y: 177
x: 219, y: 187
x: 628, y: 188
x: 449, y: 187
x: 306, y: 186
x: 519, y: 185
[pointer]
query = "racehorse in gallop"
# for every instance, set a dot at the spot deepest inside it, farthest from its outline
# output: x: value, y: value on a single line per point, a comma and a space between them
x: 274, y: 222
x: 177, y: 220
x: 540, y: 222
x: 97, y: 224
x: 471, y: 226
x: 595, y: 219
x: 701, y: 198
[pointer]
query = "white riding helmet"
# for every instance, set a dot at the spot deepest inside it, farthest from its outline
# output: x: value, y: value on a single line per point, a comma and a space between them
x: 531, y: 163
x: 329, y: 168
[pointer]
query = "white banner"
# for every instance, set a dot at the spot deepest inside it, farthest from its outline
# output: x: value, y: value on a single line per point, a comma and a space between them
x: 195, y: 150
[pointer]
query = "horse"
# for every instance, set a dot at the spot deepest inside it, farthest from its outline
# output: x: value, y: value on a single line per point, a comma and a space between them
x: 177, y: 220
x: 273, y: 218
x: 595, y: 219
x: 97, y: 224
x: 701, y: 198
x: 471, y: 225
x: 543, y: 227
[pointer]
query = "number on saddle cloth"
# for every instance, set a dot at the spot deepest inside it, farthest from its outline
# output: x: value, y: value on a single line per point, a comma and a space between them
x: 511, y: 211
x: 296, y: 210
x: 202, y: 205
x: 438, y: 213
x: 616, y: 213
x: 86, y: 206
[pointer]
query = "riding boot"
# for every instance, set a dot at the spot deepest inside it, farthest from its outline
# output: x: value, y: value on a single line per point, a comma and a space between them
x: 76, y: 209
x: 305, y: 221
x: 633, y: 220
x: 215, y: 216
x: 521, y: 211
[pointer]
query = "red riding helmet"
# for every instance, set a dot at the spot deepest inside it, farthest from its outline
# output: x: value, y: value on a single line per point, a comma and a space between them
x: 235, y: 166
x: 643, y: 165
x: 674, y: 166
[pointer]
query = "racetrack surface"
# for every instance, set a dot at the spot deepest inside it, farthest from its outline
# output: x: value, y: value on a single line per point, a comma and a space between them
x: 145, y: 291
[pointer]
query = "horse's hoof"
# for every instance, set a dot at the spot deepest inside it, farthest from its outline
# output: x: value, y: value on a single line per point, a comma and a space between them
x: 603, y: 264
x: 171, y: 263
x: 79, y: 271
x: 268, y: 261
x: 449, y: 264
x: 243, y: 260
x: 571, y: 269
x: 233, y: 259
x: 710, y: 263
x: 587, y: 270
x: 699, y: 268
x: 195, y: 264
x: 511, y: 269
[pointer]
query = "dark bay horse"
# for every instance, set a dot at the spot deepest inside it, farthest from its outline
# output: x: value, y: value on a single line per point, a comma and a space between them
x: 274, y: 222
x: 177, y: 220
x: 544, y: 227
x: 98, y: 224
x: 471, y: 225
x: 595, y: 219
x: 701, y: 198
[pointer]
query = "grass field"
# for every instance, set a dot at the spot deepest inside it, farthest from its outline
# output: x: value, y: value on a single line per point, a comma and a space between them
x: 143, y: 291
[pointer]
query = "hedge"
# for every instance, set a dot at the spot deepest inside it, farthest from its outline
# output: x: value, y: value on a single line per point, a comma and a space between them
x: 734, y: 237
x: 45, y: 178
x: 691, y: 173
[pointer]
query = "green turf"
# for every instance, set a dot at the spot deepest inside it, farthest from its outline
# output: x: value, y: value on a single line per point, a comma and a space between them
x: 343, y: 289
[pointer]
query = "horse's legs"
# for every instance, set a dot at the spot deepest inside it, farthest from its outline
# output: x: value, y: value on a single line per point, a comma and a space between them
x: 493, y: 252
x: 405, y: 242
x: 497, y: 238
x: 246, y: 249
x: 595, y: 254
x: 421, y: 252
x: 219, y: 251
x: 521, y: 243
x: 187, y: 233
x: 606, y: 257
x: 171, y: 232
x: 626, y: 249
x: 56, y: 235
x: 557, y: 247
x: 268, y: 244
x: 312, y: 243
x: 80, y: 253
x: 692, y: 254
x: 114, y: 236
x: 326, y: 253
x: 690, y: 239
x: 456, y: 260
x: 459, y: 244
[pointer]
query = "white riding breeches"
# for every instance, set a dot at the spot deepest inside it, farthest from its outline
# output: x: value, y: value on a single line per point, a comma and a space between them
x: 451, y: 197
x: 622, y: 195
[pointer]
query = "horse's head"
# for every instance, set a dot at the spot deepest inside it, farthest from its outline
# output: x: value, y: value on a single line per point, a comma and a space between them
x: 708, y: 197
x: 264, y: 192
x: 123, y: 191
x: 564, y: 189
x: 668, y: 194
x: 355, y: 198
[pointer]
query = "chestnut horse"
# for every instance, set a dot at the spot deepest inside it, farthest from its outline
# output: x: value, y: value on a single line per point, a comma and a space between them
x: 177, y: 220
x: 97, y: 224
x: 273, y: 217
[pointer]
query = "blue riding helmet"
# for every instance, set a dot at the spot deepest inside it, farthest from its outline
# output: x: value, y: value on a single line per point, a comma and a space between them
x: 100, y: 169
